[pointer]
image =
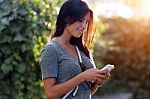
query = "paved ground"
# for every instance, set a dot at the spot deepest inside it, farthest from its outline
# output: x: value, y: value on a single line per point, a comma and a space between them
x: 115, y: 96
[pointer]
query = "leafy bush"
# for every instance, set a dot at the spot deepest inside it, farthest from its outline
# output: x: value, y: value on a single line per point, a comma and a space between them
x: 102, y: 45
x: 130, y: 54
x: 24, y: 25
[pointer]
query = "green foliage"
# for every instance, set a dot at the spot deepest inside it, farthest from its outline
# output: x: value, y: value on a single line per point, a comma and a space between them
x: 24, y: 25
x: 130, y: 54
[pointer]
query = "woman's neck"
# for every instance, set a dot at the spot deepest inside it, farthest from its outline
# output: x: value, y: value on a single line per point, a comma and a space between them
x: 64, y: 39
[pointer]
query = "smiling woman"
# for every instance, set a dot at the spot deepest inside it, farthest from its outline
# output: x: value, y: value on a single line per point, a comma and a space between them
x: 68, y: 70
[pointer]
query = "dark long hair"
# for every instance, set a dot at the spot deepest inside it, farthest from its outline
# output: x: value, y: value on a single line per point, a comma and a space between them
x: 71, y: 12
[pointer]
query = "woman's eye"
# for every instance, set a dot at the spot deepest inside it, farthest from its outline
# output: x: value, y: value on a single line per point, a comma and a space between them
x: 81, y: 20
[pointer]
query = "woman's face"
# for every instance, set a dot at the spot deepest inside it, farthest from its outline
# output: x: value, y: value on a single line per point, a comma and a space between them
x: 77, y: 29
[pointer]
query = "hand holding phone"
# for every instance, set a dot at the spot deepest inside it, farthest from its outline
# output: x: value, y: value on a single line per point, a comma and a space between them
x: 108, y: 67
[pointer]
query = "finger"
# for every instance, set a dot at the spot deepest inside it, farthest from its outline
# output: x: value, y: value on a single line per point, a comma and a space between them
x: 98, y: 81
x: 108, y: 75
x: 102, y: 72
x: 95, y: 78
x: 101, y: 76
x: 107, y: 78
x: 105, y: 70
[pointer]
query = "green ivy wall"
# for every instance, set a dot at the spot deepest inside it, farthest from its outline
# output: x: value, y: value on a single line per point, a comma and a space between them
x: 24, y: 26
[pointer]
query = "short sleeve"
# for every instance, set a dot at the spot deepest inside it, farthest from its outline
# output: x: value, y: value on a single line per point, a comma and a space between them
x: 48, y: 61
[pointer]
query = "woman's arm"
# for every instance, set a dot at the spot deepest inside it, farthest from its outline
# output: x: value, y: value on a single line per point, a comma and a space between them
x: 54, y: 90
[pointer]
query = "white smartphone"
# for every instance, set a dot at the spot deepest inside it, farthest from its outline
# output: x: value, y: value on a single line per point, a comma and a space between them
x: 108, y: 67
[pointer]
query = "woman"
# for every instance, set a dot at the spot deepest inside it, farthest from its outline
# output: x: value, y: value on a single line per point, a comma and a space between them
x: 65, y: 74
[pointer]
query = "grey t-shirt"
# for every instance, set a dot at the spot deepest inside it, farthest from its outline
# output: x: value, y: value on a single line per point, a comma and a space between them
x: 58, y: 63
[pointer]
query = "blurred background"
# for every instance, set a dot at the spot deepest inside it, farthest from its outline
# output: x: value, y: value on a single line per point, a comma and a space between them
x: 121, y: 38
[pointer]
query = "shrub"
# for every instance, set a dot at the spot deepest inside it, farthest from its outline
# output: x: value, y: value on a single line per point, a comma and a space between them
x: 24, y: 25
x: 130, y: 54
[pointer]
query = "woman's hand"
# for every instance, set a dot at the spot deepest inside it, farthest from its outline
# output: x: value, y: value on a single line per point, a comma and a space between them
x: 102, y: 79
x: 94, y: 75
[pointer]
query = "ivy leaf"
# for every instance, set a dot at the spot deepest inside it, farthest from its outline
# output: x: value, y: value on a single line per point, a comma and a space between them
x: 1, y: 1
x: 6, y: 68
x: 2, y: 27
x: 24, y: 47
x: 18, y: 38
x: 4, y: 21
x: 22, y: 67
x: 5, y: 9
x: 22, y: 12
x: 5, y: 39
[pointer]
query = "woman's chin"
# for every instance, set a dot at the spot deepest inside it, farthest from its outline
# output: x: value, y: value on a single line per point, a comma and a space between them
x: 77, y: 36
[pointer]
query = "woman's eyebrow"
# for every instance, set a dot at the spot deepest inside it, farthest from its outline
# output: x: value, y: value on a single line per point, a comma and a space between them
x: 86, y: 19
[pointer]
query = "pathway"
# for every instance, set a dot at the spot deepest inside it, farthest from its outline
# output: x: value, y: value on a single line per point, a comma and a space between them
x: 115, y: 96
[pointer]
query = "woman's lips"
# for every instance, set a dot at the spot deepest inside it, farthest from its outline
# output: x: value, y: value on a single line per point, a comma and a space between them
x: 80, y: 31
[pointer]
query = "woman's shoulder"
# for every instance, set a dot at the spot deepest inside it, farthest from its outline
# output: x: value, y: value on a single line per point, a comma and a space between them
x: 51, y: 44
x: 52, y: 47
x: 49, y: 47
